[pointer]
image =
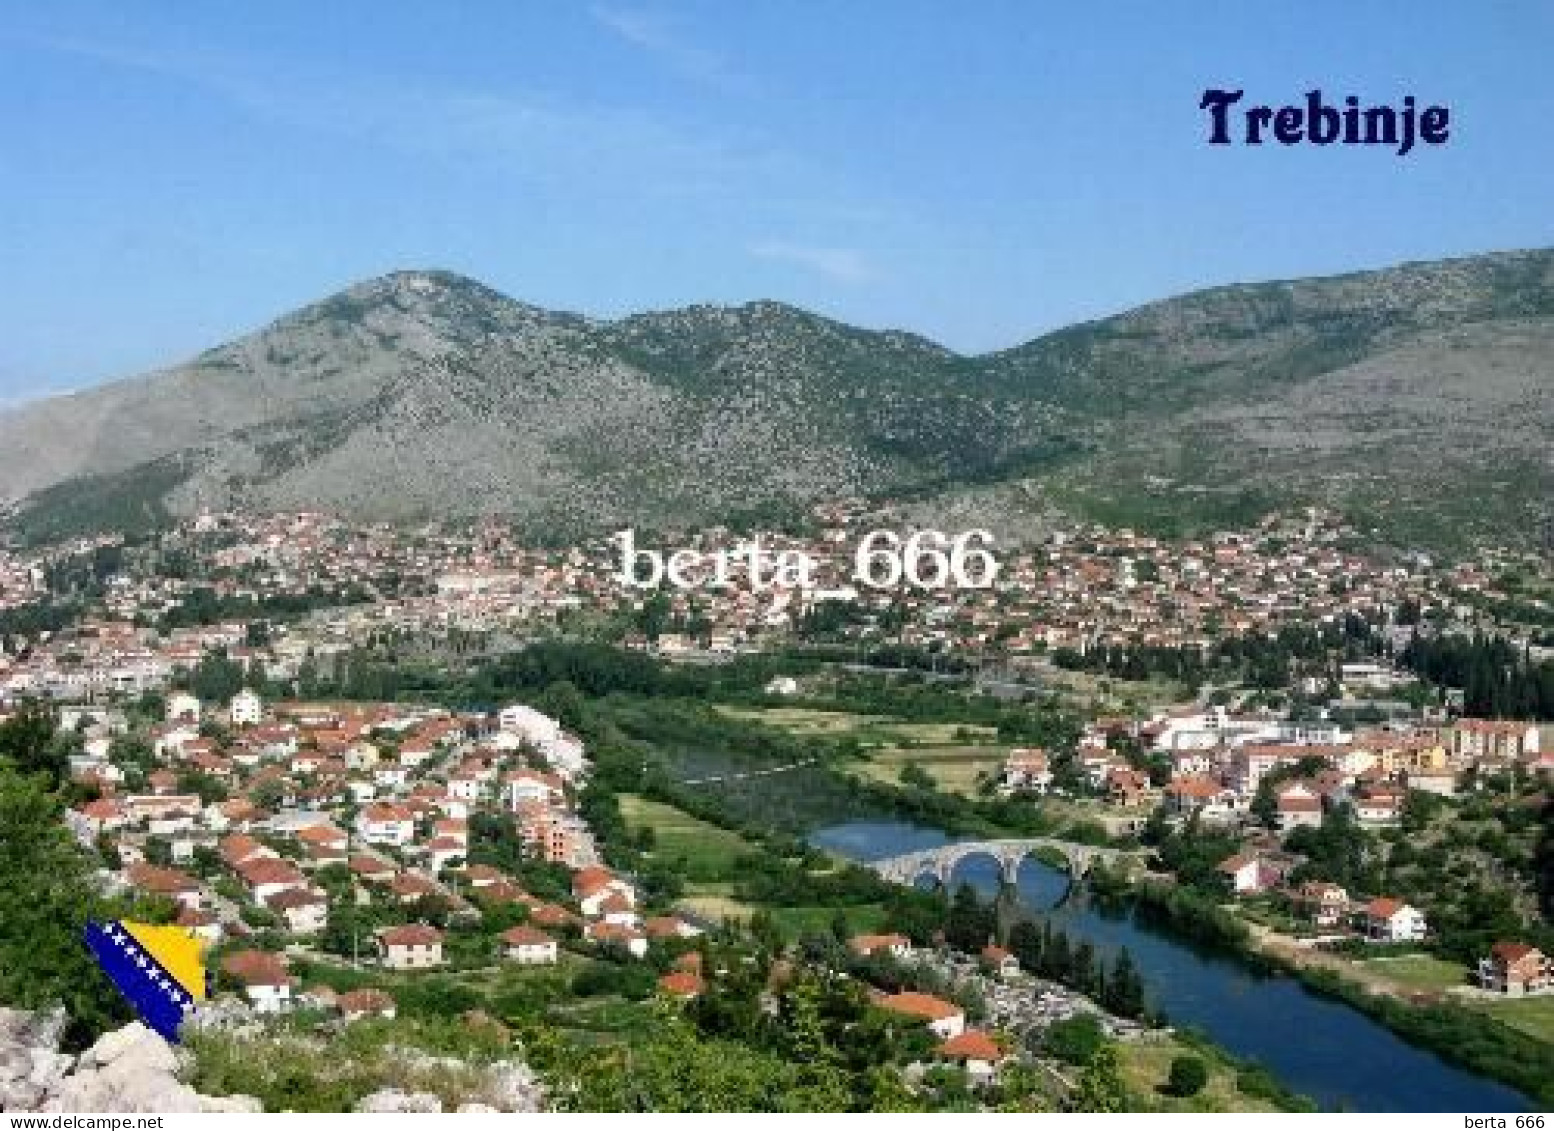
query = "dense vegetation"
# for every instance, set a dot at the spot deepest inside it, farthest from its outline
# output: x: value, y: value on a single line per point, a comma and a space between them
x: 1497, y: 680
x: 48, y: 892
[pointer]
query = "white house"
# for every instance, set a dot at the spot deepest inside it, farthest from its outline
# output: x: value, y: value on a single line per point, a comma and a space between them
x: 263, y: 977
x: 527, y: 723
x: 386, y: 824
x: 413, y: 947
x: 1027, y: 768
x: 1392, y: 920
x: 593, y: 888
x: 466, y: 787
x: 391, y: 776
x: 1245, y: 873
x: 305, y: 912
x: 944, y: 1019
x: 977, y: 1052
x: 246, y: 709
x: 183, y: 707
x: 1296, y: 805
x: 521, y: 786
x: 897, y: 946
x: 528, y: 947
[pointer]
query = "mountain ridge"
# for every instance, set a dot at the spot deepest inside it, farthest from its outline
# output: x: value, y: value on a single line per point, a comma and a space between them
x: 427, y: 393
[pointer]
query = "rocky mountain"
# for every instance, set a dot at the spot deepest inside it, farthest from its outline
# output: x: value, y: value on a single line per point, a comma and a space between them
x: 1420, y: 398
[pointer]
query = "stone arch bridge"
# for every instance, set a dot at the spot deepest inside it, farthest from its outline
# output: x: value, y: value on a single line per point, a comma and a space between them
x: 940, y: 863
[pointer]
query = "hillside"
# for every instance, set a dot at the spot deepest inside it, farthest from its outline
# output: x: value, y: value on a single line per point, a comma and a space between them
x: 1417, y: 398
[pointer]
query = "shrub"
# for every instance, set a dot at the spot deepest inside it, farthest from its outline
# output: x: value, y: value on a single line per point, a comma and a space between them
x: 1074, y: 1040
x: 1188, y: 1076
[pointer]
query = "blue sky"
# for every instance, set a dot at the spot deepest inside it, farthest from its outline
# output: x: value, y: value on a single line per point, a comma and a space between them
x: 175, y: 174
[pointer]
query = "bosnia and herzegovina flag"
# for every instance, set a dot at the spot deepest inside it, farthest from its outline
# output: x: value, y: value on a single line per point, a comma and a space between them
x: 157, y: 968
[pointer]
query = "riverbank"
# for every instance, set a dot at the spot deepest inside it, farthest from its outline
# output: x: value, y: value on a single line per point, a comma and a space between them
x: 1200, y: 973
x: 1456, y: 1033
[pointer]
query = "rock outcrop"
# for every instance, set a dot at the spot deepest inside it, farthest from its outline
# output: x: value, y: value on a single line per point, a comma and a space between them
x: 129, y: 1070
x: 134, y: 1070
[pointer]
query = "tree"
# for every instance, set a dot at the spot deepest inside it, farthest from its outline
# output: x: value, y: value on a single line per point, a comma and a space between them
x: 1188, y: 1076
x: 1545, y: 861
x: 268, y: 794
x: 27, y: 743
x: 841, y: 930
x: 47, y: 896
x: 1101, y: 1088
x: 971, y: 922
x: 1124, y: 987
x: 216, y: 678
x: 1025, y: 945
x: 207, y: 788
x: 1074, y: 1040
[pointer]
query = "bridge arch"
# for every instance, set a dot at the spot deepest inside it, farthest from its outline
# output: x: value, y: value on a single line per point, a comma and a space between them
x: 940, y: 863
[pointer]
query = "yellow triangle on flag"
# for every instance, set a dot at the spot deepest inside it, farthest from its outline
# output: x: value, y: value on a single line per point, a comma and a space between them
x: 176, y: 950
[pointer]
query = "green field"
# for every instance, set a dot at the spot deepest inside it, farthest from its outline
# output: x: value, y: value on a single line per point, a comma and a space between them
x: 703, y: 851
x: 953, y: 754
x: 1532, y: 1015
x: 1418, y: 972
x: 1146, y: 1065
x: 802, y: 720
x: 607, y: 1019
x: 709, y: 902
x: 953, y: 768
x: 868, y: 729
x: 863, y: 919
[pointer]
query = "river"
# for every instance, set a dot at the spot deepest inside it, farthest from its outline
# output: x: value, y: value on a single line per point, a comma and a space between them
x: 1316, y: 1046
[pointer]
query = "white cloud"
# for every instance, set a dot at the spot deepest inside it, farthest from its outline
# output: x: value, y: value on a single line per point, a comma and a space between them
x: 839, y: 264
x: 655, y: 36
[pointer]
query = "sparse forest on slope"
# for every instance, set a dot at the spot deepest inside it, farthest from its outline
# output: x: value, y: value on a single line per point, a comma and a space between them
x: 1418, y: 399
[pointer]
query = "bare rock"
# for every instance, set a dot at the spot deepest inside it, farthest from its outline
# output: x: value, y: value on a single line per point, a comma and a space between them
x: 129, y: 1070
x: 392, y: 1101
x: 514, y: 1087
x: 20, y: 1095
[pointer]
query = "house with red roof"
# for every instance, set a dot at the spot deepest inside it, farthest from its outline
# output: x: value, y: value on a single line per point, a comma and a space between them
x: 1297, y: 804
x: 304, y: 912
x: 1202, y: 795
x: 681, y: 984
x: 97, y: 817
x: 528, y: 946
x: 267, y: 876
x: 1000, y: 961
x: 1326, y: 904
x: 372, y: 869
x: 630, y: 938
x: 415, y: 946
x: 1391, y: 920
x: 264, y: 979
x: 975, y: 1051
x: 1248, y: 874
x: 367, y: 1002
x: 593, y: 887
x: 943, y: 1019
x: 180, y: 887
x: 1516, y: 969
x: 1027, y: 768
x: 662, y: 927
x: 553, y: 915
x: 382, y: 823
